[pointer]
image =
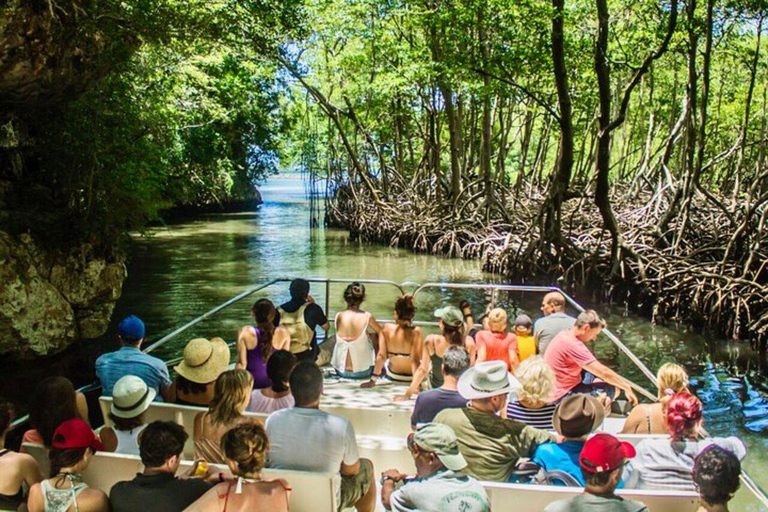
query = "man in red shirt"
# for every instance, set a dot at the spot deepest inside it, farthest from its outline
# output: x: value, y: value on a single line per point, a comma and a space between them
x: 576, y: 367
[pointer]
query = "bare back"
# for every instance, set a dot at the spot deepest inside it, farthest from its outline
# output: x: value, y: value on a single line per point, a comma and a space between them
x: 263, y: 495
x: 207, y: 435
x: 15, y: 469
x: 403, y: 347
x: 351, y: 323
x: 646, y: 419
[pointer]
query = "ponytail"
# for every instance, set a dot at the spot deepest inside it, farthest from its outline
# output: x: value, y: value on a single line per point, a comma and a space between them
x: 453, y: 335
x: 264, y: 313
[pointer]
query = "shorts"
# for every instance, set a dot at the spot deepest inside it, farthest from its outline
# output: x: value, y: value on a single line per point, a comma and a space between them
x: 362, y: 374
x: 355, y: 487
x: 589, y: 386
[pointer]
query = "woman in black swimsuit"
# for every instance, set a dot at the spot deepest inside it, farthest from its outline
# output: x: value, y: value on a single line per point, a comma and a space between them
x: 15, y: 468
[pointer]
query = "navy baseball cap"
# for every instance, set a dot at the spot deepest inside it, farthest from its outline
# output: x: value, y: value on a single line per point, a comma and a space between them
x: 131, y: 328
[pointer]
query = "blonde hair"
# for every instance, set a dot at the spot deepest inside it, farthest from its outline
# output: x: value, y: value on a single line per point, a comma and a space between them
x: 229, y: 394
x: 670, y: 379
x: 497, y: 319
x: 537, y: 379
x: 247, y: 445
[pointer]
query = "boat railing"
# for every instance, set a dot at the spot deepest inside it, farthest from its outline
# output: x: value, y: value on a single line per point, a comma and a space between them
x: 416, y: 289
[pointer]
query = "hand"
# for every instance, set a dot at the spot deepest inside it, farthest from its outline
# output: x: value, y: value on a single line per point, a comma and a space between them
x: 199, y: 464
x: 394, y: 474
x: 367, y: 385
x: 631, y: 397
x: 402, y: 398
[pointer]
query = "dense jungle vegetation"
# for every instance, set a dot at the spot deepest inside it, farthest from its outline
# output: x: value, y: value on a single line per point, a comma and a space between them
x: 610, y: 141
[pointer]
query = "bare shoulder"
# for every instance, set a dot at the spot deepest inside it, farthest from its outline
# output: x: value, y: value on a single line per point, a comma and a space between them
x: 93, y: 500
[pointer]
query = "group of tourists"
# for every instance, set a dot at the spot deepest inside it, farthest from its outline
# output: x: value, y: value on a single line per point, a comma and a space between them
x: 492, y: 404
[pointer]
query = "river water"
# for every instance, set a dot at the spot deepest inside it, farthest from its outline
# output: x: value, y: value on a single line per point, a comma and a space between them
x: 183, y: 270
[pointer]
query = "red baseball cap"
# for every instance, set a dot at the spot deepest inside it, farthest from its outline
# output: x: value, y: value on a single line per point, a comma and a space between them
x: 75, y: 433
x: 603, y: 452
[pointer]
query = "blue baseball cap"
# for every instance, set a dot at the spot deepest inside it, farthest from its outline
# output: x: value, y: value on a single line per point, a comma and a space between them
x: 131, y: 328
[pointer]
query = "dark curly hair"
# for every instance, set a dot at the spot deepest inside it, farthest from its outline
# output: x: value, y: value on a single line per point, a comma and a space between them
x: 716, y: 475
x: 354, y: 295
x: 159, y: 441
x: 404, y: 308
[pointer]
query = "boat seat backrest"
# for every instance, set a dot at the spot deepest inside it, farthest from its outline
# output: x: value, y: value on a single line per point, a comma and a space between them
x: 375, y: 421
x: 634, y: 439
x: 40, y: 453
x: 537, y: 497
x: 184, y: 415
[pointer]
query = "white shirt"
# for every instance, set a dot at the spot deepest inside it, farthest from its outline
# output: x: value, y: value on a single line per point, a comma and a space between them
x: 311, y: 440
x: 265, y: 404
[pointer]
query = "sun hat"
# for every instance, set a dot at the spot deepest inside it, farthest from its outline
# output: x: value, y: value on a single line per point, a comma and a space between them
x: 603, y: 452
x: 75, y: 433
x: 441, y: 440
x: 450, y: 315
x: 497, y: 317
x: 130, y: 397
x: 204, y: 360
x: 578, y: 415
x: 131, y: 328
x: 523, y: 321
x: 487, y: 379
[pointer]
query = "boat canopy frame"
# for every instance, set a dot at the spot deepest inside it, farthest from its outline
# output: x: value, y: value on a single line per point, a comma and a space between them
x: 415, y: 289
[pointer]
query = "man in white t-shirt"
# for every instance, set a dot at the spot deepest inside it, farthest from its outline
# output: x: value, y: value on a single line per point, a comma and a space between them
x: 305, y: 438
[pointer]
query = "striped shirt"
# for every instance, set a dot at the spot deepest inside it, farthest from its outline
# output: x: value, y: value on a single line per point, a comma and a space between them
x: 537, y: 418
x: 111, y: 366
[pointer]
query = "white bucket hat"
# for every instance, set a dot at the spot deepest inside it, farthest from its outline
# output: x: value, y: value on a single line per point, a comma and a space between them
x: 487, y: 379
x: 130, y: 397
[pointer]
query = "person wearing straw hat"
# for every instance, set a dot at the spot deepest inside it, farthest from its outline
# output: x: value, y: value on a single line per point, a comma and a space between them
x: 601, y: 461
x: 440, y: 483
x: 576, y: 417
x: 130, y: 398
x: 203, y: 362
x: 491, y: 444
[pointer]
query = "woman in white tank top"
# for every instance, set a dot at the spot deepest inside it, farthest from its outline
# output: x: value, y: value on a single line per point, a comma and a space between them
x: 354, y: 353
x: 130, y: 398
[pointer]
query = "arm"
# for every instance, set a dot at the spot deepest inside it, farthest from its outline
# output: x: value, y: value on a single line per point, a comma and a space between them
x: 388, y: 487
x: 381, y: 355
x: 471, y: 346
x: 609, y: 376
x: 373, y: 324
x: 242, y: 350
x: 35, y: 502
x: 514, y: 360
x: 108, y: 439
x: 82, y: 407
x: 417, y: 350
x: 482, y: 353
x: 419, y: 375
x: 31, y: 471
x: 169, y: 393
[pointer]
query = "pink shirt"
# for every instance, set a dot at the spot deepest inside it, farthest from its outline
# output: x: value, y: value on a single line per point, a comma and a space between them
x: 566, y: 355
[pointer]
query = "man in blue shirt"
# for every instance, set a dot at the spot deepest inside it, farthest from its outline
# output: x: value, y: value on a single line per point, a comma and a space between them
x: 130, y: 360
x: 576, y: 417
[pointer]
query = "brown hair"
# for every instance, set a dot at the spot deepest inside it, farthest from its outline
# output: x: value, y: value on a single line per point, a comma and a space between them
x: 247, y: 445
x: 453, y: 335
x: 53, y: 402
x: 404, y: 308
x: 264, y: 313
x: 126, y: 424
x: 354, y: 295
x: 229, y: 395
x: 65, y: 458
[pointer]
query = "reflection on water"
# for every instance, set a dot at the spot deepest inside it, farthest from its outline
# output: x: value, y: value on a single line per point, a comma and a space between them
x: 184, y: 270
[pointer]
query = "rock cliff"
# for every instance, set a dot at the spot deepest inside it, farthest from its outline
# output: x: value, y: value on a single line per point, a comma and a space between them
x: 49, y: 302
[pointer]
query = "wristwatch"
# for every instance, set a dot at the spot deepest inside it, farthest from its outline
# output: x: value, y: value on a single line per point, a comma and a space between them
x: 385, y: 478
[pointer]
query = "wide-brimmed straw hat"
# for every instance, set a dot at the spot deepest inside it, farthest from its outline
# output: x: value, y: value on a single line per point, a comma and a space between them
x: 204, y: 360
x: 578, y: 415
x: 130, y: 397
x: 487, y: 379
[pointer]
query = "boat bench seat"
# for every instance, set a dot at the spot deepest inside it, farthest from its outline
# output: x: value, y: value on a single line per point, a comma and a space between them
x: 366, y: 421
x: 314, y: 491
x: 184, y: 415
x: 523, y: 497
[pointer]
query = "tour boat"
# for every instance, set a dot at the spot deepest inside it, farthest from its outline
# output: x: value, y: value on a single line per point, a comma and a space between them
x: 381, y: 425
